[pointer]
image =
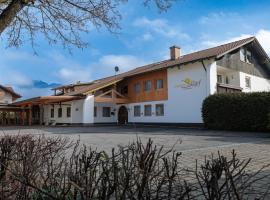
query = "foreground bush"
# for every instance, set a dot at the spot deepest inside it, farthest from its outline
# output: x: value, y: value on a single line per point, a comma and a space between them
x: 237, y: 111
x: 54, y: 168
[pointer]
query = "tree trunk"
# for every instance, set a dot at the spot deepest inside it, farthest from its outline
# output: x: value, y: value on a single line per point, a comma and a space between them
x: 9, y: 13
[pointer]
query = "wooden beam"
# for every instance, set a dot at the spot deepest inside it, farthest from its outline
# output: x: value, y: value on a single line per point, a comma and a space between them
x: 111, y: 100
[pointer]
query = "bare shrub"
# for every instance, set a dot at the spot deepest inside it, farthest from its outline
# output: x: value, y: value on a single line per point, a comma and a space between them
x: 39, y: 167
x: 228, y: 178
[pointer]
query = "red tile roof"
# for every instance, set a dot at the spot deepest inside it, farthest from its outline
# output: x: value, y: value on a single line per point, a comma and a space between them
x: 215, y: 52
x: 11, y: 91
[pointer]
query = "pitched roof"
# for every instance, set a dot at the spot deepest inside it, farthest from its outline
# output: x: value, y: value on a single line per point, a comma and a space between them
x: 215, y: 52
x: 11, y: 91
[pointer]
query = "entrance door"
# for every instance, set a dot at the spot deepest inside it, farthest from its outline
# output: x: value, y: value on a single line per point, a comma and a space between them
x: 123, y: 115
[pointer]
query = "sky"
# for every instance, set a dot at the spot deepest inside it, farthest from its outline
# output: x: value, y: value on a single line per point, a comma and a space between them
x: 145, y: 37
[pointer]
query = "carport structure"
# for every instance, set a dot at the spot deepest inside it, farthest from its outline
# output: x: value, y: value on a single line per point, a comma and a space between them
x: 13, y: 115
x: 35, y: 106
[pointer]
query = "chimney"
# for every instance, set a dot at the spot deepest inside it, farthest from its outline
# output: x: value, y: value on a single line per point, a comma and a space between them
x: 175, y: 52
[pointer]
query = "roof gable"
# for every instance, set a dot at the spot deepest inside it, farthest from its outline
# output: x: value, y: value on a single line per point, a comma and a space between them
x: 11, y: 91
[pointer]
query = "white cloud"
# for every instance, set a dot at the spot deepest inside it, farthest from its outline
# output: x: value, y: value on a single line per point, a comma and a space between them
x: 147, y: 36
x: 12, y: 77
x: 71, y: 75
x: 33, y: 92
x: 262, y: 35
x: 218, y: 18
x: 162, y: 27
x: 124, y: 62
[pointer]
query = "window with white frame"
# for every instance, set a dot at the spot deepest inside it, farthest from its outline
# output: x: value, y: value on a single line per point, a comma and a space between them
x: 52, y: 113
x: 159, y: 109
x: 106, y: 111
x: 147, y: 85
x: 137, y: 87
x: 95, y: 111
x: 248, y: 82
x: 137, y: 111
x: 147, y: 110
x: 219, y: 78
x: 68, y: 112
x: 60, y: 112
x: 227, y: 81
x: 159, y: 84
x: 245, y: 55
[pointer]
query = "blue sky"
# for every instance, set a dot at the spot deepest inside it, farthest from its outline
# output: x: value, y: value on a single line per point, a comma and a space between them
x: 145, y: 37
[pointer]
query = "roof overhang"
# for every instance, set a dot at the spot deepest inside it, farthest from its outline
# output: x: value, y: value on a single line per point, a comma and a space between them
x: 103, y: 86
x: 47, y: 100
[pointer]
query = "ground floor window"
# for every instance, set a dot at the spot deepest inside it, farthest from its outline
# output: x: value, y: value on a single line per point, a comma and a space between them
x: 159, y: 109
x: 248, y: 82
x: 59, y: 112
x: 68, y: 111
x: 95, y: 111
x: 219, y: 78
x: 147, y: 110
x: 52, y: 113
x: 106, y: 111
x: 137, y: 111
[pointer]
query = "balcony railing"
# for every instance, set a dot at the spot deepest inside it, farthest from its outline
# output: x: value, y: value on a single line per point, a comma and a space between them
x: 226, y: 88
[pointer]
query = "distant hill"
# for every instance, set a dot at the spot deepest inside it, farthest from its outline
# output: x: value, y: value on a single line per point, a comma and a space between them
x: 42, y: 84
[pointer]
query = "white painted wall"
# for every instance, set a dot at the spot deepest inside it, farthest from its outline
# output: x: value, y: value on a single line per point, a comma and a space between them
x: 7, y: 98
x: 77, y: 111
x: 64, y: 119
x: 258, y: 84
x: 211, y: 67
x: 100, y: 119
x: 183, y: 104
x: 88, y: 110
x: 147, y: 119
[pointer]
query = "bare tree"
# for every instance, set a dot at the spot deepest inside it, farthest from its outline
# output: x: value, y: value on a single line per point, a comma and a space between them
x: 61, y: 21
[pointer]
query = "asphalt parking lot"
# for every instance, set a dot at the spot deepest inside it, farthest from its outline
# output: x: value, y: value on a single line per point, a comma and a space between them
x: 195, y: 144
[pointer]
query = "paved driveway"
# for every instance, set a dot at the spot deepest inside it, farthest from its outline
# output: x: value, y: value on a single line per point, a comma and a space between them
x: 195, y: 144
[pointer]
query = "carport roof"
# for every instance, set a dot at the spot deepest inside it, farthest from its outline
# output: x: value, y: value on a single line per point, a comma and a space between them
x: 46, y: 100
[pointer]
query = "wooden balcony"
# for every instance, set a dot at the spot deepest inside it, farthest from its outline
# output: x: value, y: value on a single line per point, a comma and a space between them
x: 226, y: 88
x: 111, y: 96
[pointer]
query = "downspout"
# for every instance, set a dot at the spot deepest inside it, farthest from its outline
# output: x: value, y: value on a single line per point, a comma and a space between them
x: 202, y: 61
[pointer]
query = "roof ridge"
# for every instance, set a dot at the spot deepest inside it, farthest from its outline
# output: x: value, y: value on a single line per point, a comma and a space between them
x: 221, y: 45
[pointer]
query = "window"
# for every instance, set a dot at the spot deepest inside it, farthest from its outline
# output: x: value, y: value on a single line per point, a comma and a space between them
x: 227, y: 80
x: 242, y: 55
x: 59, y: 112
x: 137, y: 87
x: 95, y: 111
x: 248, y: 57
x: 52, y: 113
x: 248, y: 82
x: 219, y: 78
x: 137, y: 111
x: 159, y: 109
x: 147, y: 110
x: 245, y: 56
x: 147, y: 85
x: 159, y: 84
x: 68, y: 111
x: 106, y: 111
x: 124, y: 90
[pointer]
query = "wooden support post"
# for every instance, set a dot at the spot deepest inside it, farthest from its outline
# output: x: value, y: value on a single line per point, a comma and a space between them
x: 30, y: 115
x: 41, y: 114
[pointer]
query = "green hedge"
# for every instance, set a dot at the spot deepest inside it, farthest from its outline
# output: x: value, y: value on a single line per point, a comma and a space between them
x: 237, y: 111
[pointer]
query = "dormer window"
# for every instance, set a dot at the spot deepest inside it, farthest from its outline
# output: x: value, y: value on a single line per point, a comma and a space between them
x: 245, y: 56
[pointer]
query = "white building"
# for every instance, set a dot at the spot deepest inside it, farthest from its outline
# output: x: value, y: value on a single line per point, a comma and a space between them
x: 170, y: 91
x: 9, y: 114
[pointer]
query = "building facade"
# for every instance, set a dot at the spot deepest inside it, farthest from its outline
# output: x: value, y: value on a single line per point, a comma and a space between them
x: 170, y: 91
x: 10, y: 114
